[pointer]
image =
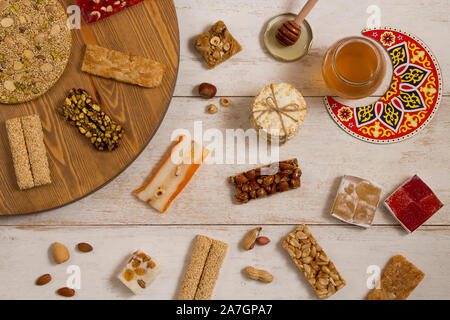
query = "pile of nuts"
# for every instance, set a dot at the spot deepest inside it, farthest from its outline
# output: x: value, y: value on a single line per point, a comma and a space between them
x: 82, y: 112
x: 313, y: 262
x: 261, y: 182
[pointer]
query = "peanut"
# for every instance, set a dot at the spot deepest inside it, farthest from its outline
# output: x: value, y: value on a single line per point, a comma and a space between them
x: 250, y: 238
x: 260, y: 275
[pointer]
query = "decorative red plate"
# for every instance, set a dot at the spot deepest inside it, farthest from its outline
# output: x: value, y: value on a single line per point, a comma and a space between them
x: 411, y: 100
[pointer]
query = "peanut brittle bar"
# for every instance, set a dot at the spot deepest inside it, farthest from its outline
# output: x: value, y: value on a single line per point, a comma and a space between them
x: 217, y: 45
x: 203, y: 269
x: 399, y: 279
x: 123, y: 67
x: 265, y: 181
x: 313, y: 262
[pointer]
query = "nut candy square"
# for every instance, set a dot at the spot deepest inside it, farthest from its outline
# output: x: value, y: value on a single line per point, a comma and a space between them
x: 399, y: 279
x: 413, y: 203
x: 139, y: 272
x: 356, y: 201
x: 94, y: 10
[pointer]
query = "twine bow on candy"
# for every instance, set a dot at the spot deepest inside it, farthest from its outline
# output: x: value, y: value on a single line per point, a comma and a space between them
x: 272, y: 106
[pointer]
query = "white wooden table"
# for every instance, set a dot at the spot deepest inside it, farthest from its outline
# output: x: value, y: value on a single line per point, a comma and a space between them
x: 116, y: 223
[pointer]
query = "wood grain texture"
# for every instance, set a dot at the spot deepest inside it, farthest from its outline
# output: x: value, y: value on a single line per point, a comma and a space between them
x: 76, y: 167
x: 352, y: 250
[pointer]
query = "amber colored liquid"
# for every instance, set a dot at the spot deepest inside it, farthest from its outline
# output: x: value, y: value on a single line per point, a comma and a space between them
x: 353, y: 68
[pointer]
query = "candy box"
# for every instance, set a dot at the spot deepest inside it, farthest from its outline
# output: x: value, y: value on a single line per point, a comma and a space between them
x: 356, y: 201
x: 413, y: 203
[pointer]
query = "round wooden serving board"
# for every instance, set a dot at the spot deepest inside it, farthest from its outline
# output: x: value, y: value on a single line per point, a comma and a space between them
x: 149, y: 29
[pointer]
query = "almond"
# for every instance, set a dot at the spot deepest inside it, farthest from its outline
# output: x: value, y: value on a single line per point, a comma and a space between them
x: 66, y: 292
x: 44, y: 279
x: 262, y: 241
x: 60, y: 253
x: 85, y: 247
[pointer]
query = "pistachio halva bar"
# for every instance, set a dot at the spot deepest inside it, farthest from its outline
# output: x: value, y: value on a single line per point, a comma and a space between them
x: 203, y: 269
x: 81, y: 111
x: 26, y: 141
x: 265, y: 181
x: 123, y: 67
x: 313, y: 262
x: 399, y: 279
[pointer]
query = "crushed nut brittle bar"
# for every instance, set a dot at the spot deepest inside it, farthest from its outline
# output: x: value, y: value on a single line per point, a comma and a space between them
x: 399, y: 279
x: 217, y: 45
x: 313, y: 262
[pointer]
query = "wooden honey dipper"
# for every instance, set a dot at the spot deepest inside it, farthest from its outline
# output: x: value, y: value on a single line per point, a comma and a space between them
x: 289, y: 32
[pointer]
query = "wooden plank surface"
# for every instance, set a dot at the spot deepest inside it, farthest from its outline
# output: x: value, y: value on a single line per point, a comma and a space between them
x: 116, y: 223
x: 72, y: 159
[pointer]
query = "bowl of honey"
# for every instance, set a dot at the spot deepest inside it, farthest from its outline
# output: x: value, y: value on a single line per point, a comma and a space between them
x: 353, y: 67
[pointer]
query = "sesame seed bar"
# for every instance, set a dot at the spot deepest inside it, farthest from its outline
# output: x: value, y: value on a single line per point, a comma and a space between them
x: 203, y: 269
x: 313, y: 262
x: 34, y: 139
x: 399, y: 279
x: 123, y: 67
x: 19, y: 154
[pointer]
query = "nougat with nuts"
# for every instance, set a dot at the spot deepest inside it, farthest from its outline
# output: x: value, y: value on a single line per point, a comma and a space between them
x: 140, y: 271
x: 313, y: 262
x: 173, y: 174
x: 265, y: 181
x: 217, y: 45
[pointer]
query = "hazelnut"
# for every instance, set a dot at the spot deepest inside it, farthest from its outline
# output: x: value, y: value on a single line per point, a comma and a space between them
x: 225, y: 102
x: 212, y: 109
x: 207, y: 90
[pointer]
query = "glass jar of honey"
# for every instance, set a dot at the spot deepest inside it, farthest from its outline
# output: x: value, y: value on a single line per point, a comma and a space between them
x: 353, y: 68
